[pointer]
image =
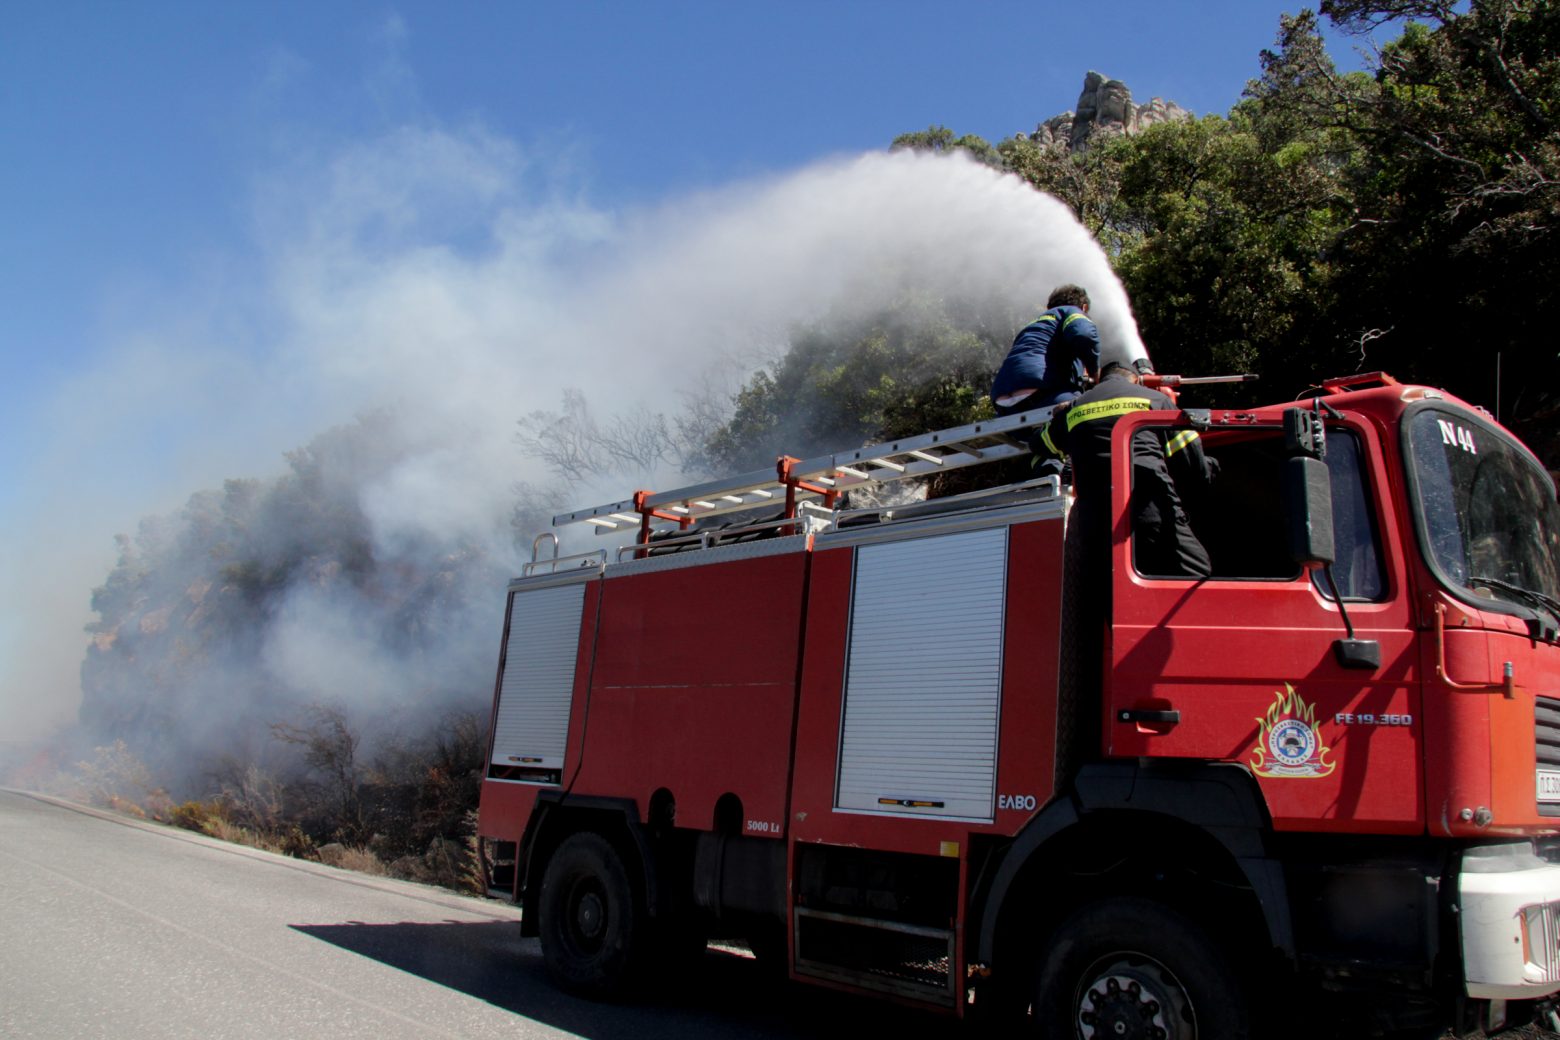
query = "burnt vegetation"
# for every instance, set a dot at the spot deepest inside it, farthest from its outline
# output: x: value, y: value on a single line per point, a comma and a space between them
x: 262, y: 668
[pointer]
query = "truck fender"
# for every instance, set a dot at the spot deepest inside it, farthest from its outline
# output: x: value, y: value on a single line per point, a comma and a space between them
x: 557, y: 814
x: 1221, y: 799
x: 1046, y: 824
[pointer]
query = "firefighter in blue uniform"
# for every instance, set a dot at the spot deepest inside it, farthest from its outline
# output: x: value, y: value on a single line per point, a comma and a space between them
x: 1053, y: 358
x: 1163, y: 542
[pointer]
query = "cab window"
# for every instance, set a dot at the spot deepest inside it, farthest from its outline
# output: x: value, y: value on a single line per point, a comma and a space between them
x: 1238, y: 515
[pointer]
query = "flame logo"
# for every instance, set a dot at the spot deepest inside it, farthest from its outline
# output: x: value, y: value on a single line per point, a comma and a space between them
x: 1288, y: 741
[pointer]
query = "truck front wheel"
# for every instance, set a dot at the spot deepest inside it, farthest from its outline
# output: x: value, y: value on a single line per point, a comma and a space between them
x: 1131, y: 969
x: 592, y: 919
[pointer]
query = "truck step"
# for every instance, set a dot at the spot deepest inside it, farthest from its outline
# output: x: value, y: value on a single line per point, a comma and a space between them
x: 891, y: 957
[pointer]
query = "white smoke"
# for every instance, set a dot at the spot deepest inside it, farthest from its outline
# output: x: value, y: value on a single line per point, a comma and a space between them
x: 443, y: 273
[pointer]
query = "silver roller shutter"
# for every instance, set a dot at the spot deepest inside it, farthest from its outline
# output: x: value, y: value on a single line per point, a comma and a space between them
x: 538, y: 682
x: 924, y: 676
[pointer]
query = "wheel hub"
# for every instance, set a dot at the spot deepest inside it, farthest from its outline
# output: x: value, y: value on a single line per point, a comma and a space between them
x: 1127, y: 1001
x: 590, y: 916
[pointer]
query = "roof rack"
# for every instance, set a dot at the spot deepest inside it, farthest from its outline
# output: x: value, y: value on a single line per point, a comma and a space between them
x: 1343, y: 384
x: 793, y: 481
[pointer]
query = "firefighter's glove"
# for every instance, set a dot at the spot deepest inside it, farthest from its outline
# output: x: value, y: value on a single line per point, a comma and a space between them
x: 1051, y: 467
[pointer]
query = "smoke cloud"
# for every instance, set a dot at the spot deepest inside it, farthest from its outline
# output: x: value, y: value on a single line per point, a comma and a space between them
x: 453, y: 279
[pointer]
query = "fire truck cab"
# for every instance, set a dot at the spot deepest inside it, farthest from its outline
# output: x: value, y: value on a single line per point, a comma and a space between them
x: 937, y: 753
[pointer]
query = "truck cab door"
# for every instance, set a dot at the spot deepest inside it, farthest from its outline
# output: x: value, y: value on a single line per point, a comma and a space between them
x: 1240, y: 666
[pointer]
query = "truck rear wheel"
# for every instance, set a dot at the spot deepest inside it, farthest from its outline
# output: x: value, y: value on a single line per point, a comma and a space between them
x: 1131, y: 969
x: 592, y: 920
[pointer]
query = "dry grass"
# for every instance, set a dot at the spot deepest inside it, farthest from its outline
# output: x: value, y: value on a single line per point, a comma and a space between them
x: 214, y: 819
x: 348, y: 857
x: 411, y: 817
x: 226, y: 830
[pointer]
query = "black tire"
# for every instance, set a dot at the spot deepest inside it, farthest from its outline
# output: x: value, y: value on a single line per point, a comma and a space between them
x: 1132, y: 969
x: 592, y: 923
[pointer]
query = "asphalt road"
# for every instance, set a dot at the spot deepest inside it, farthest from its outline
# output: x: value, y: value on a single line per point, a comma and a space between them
x: 111, y: 927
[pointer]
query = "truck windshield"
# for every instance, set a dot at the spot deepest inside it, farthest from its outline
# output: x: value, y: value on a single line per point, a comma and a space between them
x: 1488, y: 518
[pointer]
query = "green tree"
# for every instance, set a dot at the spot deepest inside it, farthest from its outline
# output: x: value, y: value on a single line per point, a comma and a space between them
x: 1089, y: 182
x: 1229, y: 270
x: 1454, y: 247
x: 938, y: 138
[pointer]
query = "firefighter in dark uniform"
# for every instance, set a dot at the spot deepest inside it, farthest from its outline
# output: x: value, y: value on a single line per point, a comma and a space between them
x: 1164, y: 544
x: 1052, y: 359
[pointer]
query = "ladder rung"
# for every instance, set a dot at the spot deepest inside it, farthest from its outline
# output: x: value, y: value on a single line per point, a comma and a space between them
x: 935, y: 452
x: 760, y: 480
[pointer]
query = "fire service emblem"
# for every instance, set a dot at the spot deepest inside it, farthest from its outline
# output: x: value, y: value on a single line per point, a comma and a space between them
x: 1288, y: 742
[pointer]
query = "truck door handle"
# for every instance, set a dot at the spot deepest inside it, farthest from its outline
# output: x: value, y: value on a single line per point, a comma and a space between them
x: 1163, y: 718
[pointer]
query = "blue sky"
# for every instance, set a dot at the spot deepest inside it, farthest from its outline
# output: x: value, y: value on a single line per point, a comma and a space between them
x: 136, y: 129
x: 199, y: 201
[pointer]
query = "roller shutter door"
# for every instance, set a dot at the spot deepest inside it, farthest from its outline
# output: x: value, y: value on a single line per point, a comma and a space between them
x: 538, y: 681
x: 923, y: 676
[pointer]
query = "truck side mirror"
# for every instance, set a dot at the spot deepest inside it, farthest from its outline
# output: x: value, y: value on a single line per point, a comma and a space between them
x: 1307, y: 489
x: 1307, y: 493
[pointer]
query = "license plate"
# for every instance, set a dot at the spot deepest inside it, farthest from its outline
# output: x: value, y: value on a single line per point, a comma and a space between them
x: 1549, y: 785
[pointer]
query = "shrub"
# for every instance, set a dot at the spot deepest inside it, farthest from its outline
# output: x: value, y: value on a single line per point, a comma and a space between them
x: 349, y: 857
x: 196, y: 815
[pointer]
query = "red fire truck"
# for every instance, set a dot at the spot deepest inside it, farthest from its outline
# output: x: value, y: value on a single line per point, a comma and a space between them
x: 919, y: 751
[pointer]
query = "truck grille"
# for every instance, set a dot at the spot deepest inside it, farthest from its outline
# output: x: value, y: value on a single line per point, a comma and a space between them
x: 1546, y: 735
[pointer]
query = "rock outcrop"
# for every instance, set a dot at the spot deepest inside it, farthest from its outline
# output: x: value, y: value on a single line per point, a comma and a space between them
x: 1105, y: 110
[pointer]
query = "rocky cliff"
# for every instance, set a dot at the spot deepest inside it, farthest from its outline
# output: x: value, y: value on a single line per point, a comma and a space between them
x: 1105, y: 110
